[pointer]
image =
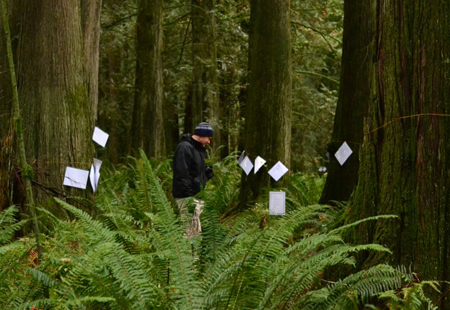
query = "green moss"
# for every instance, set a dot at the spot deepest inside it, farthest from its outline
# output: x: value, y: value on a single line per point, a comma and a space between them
x: 27, y: 172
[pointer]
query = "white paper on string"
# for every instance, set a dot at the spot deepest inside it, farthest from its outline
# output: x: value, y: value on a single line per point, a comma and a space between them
x: 278, y: 171
x: 246, y: 165
x: 94, y: 175
x: 277, y: 203
x: 92, y: 178
x: 100, y: 136
x: 97, y: 164
x: 259, y: 162
x: 241, y: 158
x: 76, y: 177
x: 343, y: 153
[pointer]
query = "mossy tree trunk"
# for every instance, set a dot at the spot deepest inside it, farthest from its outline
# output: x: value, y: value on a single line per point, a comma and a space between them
x: 354, y: 97
x: 404, y: 165
x: 5, y: 121
x: 25, y: 169
x: 267, y: 131
x: 205, y: 91
x: 53, y: 90
x: 147, y: 129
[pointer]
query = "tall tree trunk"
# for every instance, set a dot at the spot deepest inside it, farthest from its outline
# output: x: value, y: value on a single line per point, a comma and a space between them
x: 354, y: 97
x: 25, y: 169
x: 205, y: 90
x: 5, y: 121
x: 53, y: 90
x: 148, y: 124
x: 171, y: 130
x: 90, y: 13
x: 405, y: 163
x: 267, y: 130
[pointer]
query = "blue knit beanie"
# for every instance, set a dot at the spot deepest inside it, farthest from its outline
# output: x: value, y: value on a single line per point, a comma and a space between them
x: 203, y: 130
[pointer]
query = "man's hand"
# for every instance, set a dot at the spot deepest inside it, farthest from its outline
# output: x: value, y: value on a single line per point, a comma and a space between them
x: 209, y: 172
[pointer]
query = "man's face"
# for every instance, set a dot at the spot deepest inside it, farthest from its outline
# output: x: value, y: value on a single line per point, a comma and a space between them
x: 205, y: 140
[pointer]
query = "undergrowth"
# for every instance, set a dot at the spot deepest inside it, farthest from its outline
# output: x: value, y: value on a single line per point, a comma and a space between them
x: 130, y: 252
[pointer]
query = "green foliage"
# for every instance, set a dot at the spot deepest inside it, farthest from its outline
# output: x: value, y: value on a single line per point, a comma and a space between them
x: 131, y: 253
x: 316, y: 28
x: 411, y: 297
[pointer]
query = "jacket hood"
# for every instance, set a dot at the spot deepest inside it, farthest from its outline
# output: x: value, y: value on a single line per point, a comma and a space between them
x: 188, y: 138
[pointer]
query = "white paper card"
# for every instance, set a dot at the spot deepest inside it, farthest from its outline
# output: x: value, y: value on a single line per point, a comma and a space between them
x: 100, y: 136
x: 278, y: 171
x: 246, y: 165
x: 277, y: 203
x: 259, y: 162
x: 97, y: 164
x: 94, y: 174
x: 343, y: 153
x: 92, y: 178
x: 241, y: 158
x: 76, y: 177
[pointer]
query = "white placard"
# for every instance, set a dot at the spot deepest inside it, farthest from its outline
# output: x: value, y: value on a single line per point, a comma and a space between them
x: 278, y: 171
x: 94, y: 174
x: 259, y: 162
x: 76, y: 177
x: 241, y: 158
x: 100, y: 136
x: 277, y: 203
x: 343, y: 153
x: 246, y: 165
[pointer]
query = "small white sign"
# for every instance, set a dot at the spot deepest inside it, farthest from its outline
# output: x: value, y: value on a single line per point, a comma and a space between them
x: 277, y: 203
x: 76, y: 177
x: 241, y: 158
x: 343, y: 153
x: 246, y: 165
x: 278, y: 171
x: 259, y: 162
x: 100, y: 136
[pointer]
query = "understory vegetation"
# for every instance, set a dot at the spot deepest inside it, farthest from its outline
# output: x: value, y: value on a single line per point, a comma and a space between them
x: 129, y: 252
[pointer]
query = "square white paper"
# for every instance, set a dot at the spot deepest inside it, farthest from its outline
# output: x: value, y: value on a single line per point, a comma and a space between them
x: 76, y: 177
x: 277, y: 203
x: 343, y: 153
x: 241, y: 158
x: 278, y: 171
x: 100, y: 136
x: 246, y: 165
x: 259, y: 162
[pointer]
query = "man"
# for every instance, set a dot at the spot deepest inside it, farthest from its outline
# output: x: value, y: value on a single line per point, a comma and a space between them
x: 190, y: 174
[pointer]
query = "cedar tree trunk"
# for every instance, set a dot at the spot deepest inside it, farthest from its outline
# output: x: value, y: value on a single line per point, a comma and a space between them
x: 267, y: 130
x: 148, y: 124
x: 205, y: 90
x: 354, y: 97
x: 405, y: 164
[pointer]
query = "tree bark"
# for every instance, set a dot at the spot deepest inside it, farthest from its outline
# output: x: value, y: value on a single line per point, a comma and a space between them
x: 90, y: 13
x: 354, y: 97
x: 6, y: 154
x: 267, y: 130
x: 53, y: 90
x: 25, y: 170
x: 405, y: 163
x: 148, y: 124
x: 205, y: 90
